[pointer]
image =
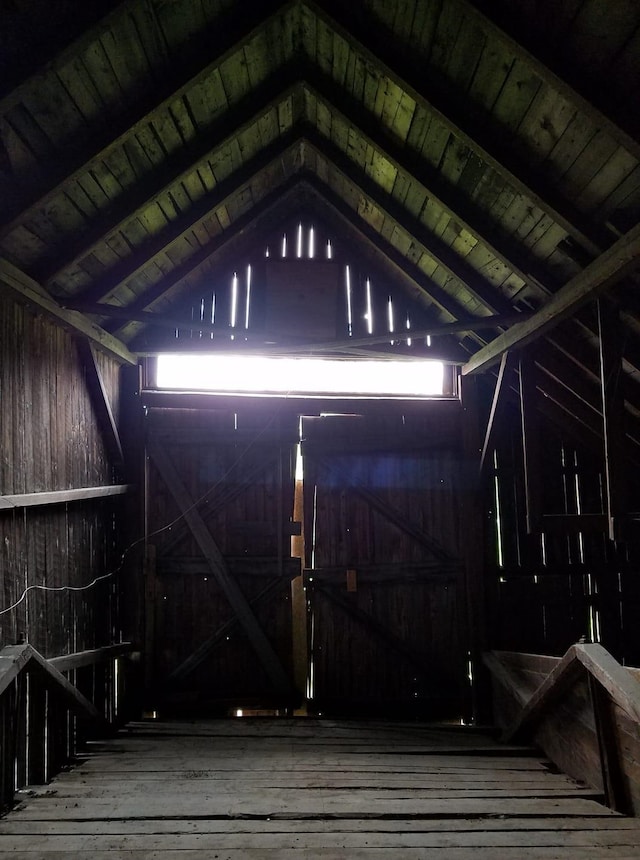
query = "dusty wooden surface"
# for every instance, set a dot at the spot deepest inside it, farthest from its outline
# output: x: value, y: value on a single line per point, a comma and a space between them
x: 308, y: 788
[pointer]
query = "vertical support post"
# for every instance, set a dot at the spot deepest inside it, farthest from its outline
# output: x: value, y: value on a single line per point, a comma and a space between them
x: 616, y: 794
x: 150, y: 589
x: 611, y: 342
x: 531, y: 449
x: 131, y: 422
x: 474, y: 548
x: 300, y: 642
x: 36, y: 749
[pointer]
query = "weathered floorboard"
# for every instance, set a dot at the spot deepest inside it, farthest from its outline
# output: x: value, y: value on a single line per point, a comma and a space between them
x: 264, y: 788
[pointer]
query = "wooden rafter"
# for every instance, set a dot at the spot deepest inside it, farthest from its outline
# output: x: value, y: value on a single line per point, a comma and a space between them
x: 474, y: 129
x: 115, y: 133
x: 233, y: 240
x: 487, y: 15
x: 611, y: 266
x: 455, y: 265
x: 31, y: 292
x: 177, y: 167
x: 360, y: 229
x: 419, y: 171
x: 270, y: 157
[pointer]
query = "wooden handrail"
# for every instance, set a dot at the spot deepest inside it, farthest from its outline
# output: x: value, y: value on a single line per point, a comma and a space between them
x: 601, y: 750
x: 37, y: 702
x: 623, y: 688
x: 15, y: 659
x: 80, y: 659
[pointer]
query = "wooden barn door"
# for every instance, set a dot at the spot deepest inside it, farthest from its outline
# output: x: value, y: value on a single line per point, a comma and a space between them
x: 383, y: 574
x: 218, y: 619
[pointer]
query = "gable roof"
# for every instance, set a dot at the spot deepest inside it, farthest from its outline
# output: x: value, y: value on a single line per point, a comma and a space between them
x: 489, y: 176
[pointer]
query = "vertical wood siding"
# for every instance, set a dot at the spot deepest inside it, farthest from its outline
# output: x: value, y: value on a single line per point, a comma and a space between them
x: 50, y: 440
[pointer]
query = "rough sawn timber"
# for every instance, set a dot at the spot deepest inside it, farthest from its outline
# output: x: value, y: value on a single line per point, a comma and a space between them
x: 265, y: 788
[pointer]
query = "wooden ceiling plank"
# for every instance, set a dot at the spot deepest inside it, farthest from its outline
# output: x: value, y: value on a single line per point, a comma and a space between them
x: 544, y: 69
x: 156, y: 246
x: 29, y: 290
x: 420, y: 283
x: 438, y: 250
x: 474, y: 130
x: 611, y: 266
x: 129, y: 124
x: 266, y: 210
x: 418, y: 170
x: 178, y: 167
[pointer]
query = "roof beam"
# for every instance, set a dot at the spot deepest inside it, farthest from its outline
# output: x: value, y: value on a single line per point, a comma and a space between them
x: 236, y: 235
x: 419, y: 171
x: 412, y: 275
x: 132, y: 266
x: 492, y: 21
x: 473, y: 127
x: 439, y: 251
x: 177, y: 167
x: 115, y: 133
x: 620, y: 260
x: 30, y: 291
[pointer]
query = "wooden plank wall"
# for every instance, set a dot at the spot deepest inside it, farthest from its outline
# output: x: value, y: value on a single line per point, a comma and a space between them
x: 388, y: 624
x: 50, y: 440
x: 246, y: 459
x: 548, y: 590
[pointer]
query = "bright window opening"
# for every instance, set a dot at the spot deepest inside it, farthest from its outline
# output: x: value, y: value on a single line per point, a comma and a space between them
x: 300, y: 376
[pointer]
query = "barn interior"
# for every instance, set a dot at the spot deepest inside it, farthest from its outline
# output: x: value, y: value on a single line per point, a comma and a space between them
x: 443, y: 193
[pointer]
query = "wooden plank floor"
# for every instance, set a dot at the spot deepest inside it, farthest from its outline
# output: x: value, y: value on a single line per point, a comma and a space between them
x: 267, y: 789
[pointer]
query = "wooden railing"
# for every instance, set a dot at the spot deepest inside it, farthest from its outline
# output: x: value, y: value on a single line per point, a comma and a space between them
x: 49, y: 708
x: 582, y: 709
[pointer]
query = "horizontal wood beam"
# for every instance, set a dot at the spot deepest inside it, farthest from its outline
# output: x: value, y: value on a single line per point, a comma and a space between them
x: 80, y: 659
x: 574, y: 523
x: 61, y: 497
x: 26, y: 289
x: 615, y: 263
x: 119, y: 312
